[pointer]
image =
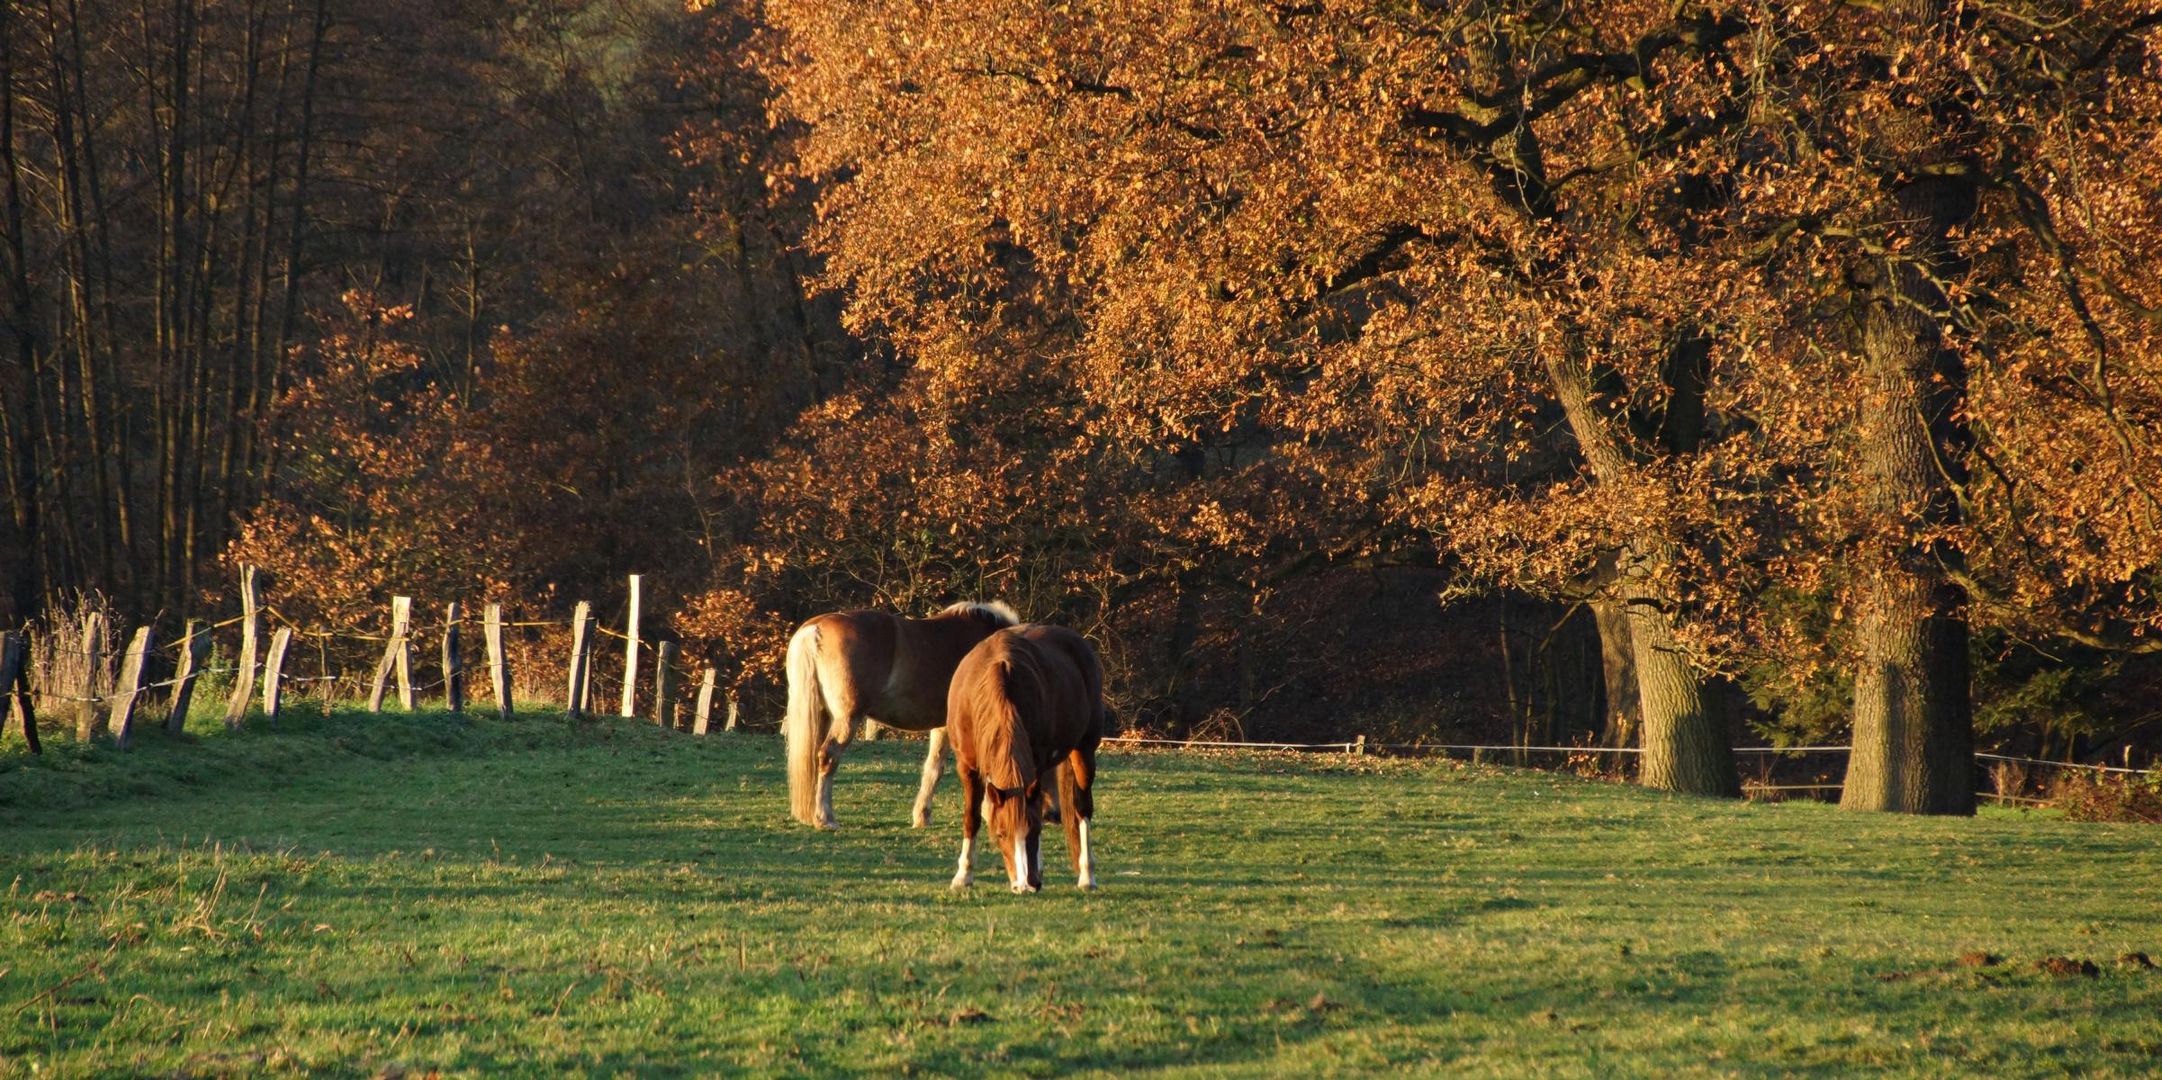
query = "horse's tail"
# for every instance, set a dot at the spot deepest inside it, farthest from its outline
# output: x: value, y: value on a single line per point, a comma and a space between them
x: 803, y: 724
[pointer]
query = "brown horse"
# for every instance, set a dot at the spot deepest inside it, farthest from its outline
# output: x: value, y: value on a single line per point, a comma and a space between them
x: 849, y: 665
x: 1026, y: 702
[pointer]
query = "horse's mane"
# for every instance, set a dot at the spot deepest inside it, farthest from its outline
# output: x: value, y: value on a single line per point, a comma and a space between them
x: 995, y: 610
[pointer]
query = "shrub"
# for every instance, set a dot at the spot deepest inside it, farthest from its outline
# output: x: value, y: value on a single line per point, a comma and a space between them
x: 2101, y: 796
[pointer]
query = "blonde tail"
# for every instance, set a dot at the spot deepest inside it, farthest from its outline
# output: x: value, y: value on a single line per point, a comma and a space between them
x: 804, y: 724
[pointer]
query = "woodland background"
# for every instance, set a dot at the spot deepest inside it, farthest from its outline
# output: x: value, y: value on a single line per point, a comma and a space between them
x: 1621, y: 372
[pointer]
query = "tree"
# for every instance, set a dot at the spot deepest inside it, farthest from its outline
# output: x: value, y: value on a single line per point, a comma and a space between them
x: 1906, y: 190
x: 1380, y: 252
x: 1240, y: 235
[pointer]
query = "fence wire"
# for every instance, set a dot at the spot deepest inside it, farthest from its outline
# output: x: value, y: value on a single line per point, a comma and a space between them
x: 689, y: 682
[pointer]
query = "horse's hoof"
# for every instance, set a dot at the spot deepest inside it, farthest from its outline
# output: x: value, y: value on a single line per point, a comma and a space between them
x: 1086, y: 884
x: 921, y: 821
x: 961, y: 881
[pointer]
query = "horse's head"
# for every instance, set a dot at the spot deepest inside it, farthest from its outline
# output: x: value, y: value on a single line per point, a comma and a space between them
x: 1016, y: 819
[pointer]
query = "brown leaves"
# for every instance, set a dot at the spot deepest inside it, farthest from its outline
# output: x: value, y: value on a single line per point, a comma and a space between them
x: 1186, y: 287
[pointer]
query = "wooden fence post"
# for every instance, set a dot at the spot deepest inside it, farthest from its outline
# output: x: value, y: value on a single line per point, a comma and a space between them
x: 574, y: 699
x: 327, y: 689
x: 397, y: 656
x: 585, y: 670
x: 15, y: 686
x: 274, y: 672
x: 8, y: 666
x: 402, y: 608
x: 194, y: 646
x: 453, y: 662
x: 732, y: 714
x: 236, y: 707
x: 87, y: 717
x: 122, y: 718
x: 664, y: 684
x: 630, y: 648
x: 1359, y: 747
x: 702, y: 721
x: 498, y: 661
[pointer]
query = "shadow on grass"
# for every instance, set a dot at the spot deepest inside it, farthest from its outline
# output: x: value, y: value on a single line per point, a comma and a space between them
x: 540, y: 896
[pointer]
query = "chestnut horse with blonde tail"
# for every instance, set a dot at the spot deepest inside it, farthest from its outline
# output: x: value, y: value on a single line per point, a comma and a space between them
x: 849, y: 665
x: 1025, y: 704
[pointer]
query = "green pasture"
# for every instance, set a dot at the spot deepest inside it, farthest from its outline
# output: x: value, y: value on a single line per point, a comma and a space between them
x: 414, y: 895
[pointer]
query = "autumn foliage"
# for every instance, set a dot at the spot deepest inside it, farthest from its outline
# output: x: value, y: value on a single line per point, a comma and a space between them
x: 1812, y: 348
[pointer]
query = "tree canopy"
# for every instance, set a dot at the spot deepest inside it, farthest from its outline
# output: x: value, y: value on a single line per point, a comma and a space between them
x: 1812, y: 346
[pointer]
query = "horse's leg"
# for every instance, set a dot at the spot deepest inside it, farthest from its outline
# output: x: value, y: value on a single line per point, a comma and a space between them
x: 971, y: 821
x: 1076, y: 782
x: 933, y: 762
x: 837, y: 738
x: 1035, y: 859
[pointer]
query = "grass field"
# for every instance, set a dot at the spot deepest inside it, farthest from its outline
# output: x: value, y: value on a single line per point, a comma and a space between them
x: 408, y: 895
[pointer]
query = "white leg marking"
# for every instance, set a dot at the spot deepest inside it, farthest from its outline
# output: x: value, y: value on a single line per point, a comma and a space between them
x: 933, y: 764
x: 965, y: 876
x: 1088, y: 865
x: 825, y: 799
x: 1020, y: 864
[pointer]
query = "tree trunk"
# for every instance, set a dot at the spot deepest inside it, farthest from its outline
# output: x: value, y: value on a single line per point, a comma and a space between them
x: 1686, y: 748
x: 1617, y: 660
x: 1185, y: 630
x: 1913, y: 723
x: 1572, y: 687
x: 20, y: 399
x: 1913, y: 709
x: 296, y: 241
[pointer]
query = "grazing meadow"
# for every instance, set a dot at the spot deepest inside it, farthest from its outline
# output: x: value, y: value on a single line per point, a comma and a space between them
x: 411, y: 895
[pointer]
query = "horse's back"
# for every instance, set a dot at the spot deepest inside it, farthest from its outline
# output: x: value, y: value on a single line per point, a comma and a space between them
x: 928, y: 652
x: 1050, y: 677
x: 1086, y: 666
x: 858, y: 647
x: 897, y: 668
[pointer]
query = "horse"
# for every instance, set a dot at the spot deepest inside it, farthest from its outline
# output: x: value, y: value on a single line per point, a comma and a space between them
x: 848, y: 665
x: 1026, y: 701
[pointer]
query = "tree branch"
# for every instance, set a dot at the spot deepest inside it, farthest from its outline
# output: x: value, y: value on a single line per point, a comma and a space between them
x: 2055, y: 627
x: 1558, y: 83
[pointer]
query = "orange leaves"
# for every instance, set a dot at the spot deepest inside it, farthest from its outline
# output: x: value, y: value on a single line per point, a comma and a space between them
x: 1181, y: 286
x: 389, y: 488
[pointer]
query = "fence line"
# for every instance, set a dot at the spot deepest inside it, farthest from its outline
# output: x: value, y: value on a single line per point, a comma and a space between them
x: 671, y: 678
x: 2063, y: 764
x: 87, y: 644
x: 1361, y: 745
x: 2016, y: 798
x: 1518, y: 749
x: 1344, y: 747
x: 1497, y: 747
x: 75, y: 699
